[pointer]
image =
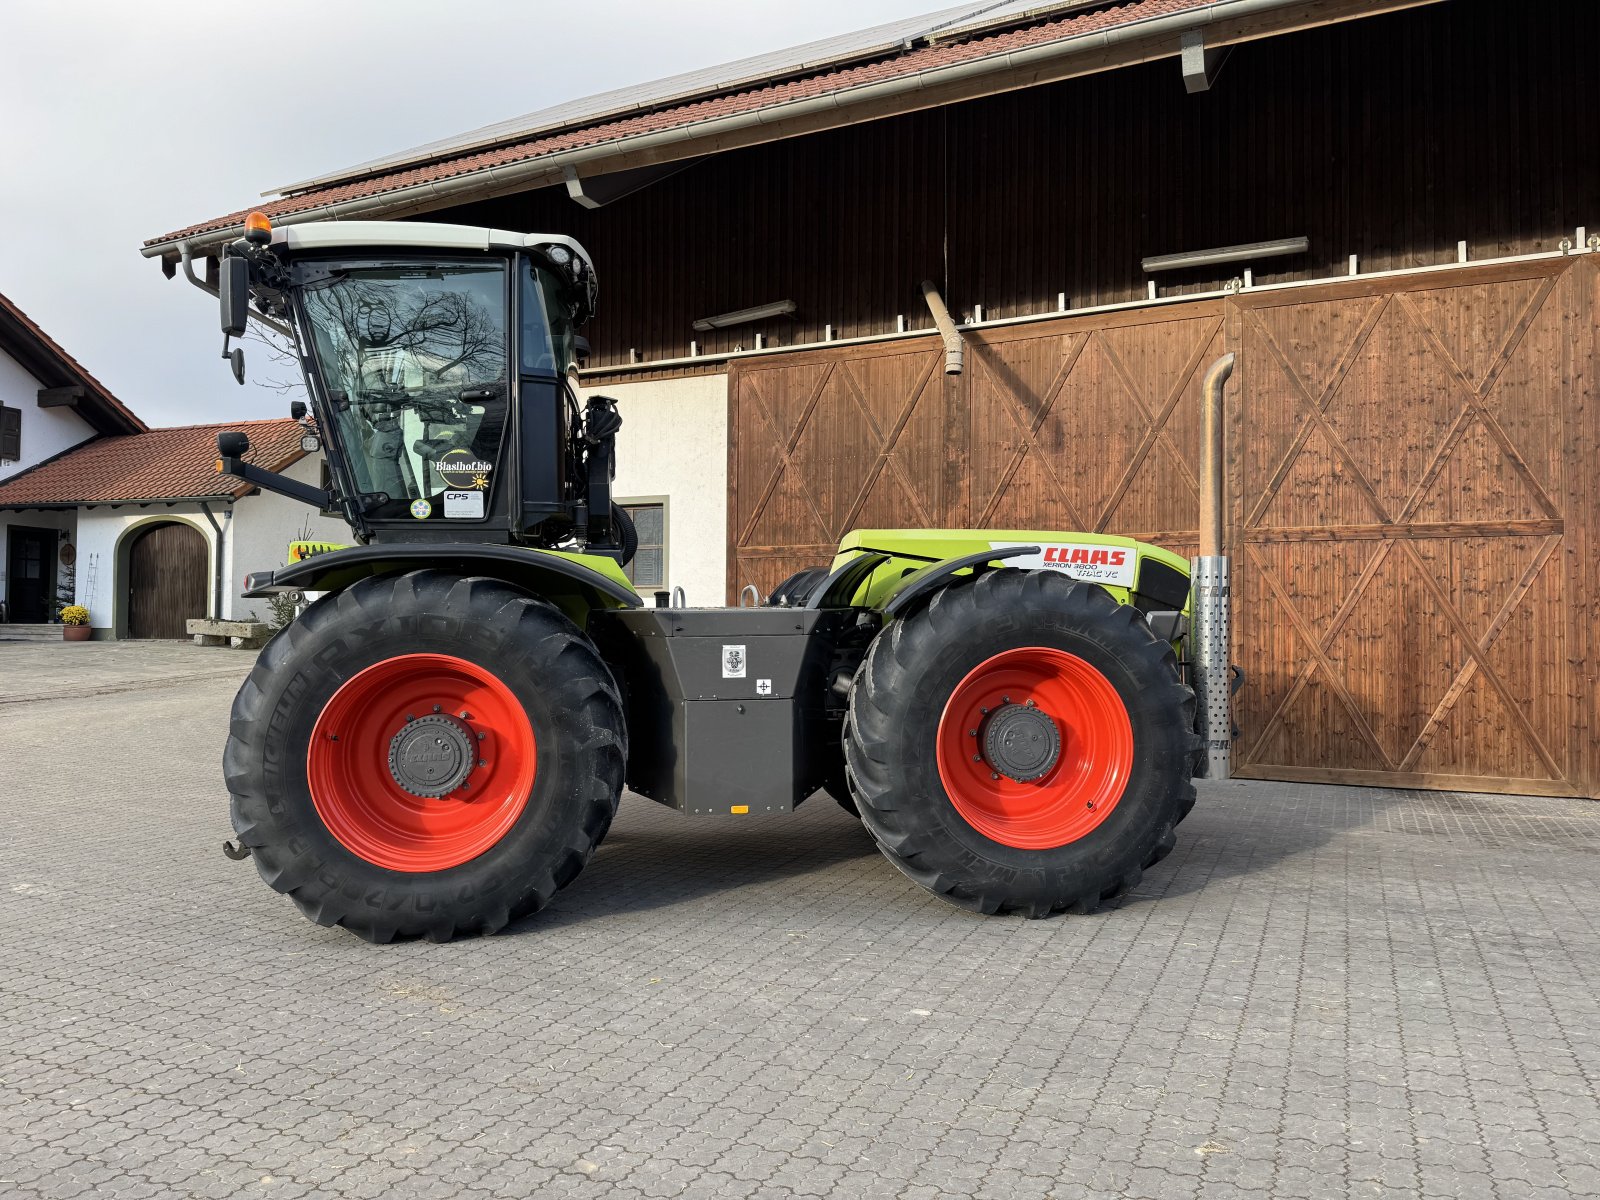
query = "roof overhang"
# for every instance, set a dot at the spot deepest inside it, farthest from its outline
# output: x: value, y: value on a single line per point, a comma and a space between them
x: 1144, y: 39
x: 66, y: 383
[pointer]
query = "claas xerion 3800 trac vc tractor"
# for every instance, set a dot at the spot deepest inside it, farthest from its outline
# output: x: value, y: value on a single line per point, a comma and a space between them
x: 439, y: 742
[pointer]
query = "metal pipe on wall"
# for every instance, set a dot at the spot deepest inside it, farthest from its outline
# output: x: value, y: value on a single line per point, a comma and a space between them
x: 954, y: 347
x: 1211, y: 482
x: 1210, y: 637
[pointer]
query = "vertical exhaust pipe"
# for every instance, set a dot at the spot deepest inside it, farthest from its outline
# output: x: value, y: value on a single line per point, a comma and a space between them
x: 954, y: 348
x: 1210, y: 637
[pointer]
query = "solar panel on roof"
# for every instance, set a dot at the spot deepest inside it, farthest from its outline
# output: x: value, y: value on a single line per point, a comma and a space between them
x: 831, y: 51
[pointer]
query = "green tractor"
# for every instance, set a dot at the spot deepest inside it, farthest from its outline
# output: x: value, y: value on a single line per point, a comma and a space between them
x: 440, y: 741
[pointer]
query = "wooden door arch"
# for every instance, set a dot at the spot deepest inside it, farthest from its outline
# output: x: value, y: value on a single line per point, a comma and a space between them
x: 166, y: 579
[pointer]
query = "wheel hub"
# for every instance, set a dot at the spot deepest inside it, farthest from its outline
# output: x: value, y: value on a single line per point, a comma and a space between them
x: 431, y: 756
x: 1021, y: 742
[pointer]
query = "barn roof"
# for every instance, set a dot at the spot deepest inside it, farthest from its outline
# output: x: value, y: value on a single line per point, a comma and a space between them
x: 840, y: 76
x: 52, y: 366
x: 175, y: 463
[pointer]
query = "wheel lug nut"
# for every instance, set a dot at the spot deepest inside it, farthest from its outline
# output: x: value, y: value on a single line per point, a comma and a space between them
x: 984, y: 711
x: 972, y: 733
x: 994, y: 775
x: 1005, y: 699
x: 977, y: 758
x: 1030, y: 704
x: 481, y: 736
x: 463, y: 714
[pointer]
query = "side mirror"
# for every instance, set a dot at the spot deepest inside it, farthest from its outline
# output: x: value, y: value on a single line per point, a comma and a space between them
x: 233, y: 290
x: 236, y: 361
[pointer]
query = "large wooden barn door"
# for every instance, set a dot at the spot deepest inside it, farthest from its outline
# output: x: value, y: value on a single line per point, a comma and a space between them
x: 824, y: 443
x: 1092, y: 424
x: 1402, y: 461
x: 1413, y: 518
x: 166, y: 580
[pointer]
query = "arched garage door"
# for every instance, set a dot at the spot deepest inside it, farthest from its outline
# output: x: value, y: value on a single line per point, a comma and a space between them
x: 166, y: 580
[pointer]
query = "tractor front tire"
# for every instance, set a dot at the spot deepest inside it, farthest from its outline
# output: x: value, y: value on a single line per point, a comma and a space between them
x: 1023, y: 744
x: 425, y: 755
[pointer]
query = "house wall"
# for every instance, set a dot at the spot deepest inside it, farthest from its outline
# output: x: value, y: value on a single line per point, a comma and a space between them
x: 674, y: 444
x: 46, y: 432
x: 263, y: 526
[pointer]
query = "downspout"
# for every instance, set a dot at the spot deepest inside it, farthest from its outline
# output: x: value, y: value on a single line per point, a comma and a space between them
x: 954, y: 348
x: 216, y: 581
x: 1210, y: 640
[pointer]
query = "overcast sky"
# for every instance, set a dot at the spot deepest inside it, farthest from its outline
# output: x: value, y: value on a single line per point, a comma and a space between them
x: 120, y: 122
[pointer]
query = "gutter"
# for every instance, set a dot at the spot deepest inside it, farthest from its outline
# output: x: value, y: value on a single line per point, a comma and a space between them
x: 515, y: 176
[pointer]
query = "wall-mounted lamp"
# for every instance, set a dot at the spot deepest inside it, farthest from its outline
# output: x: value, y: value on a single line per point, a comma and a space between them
x: 1225, y: 254
x: 744, y: 316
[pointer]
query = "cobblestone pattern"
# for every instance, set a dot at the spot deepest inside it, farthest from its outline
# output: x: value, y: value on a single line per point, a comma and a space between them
x: 1323, y: 992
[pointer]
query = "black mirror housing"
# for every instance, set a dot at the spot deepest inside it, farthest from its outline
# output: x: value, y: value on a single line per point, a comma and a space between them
x: 233, y: 290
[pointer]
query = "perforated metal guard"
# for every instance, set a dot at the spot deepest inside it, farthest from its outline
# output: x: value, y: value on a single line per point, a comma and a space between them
x: 1209, y: 637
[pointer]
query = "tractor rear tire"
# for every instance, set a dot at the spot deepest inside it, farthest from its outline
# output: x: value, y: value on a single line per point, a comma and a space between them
x: 425, y: 755
x: 1023, y: 744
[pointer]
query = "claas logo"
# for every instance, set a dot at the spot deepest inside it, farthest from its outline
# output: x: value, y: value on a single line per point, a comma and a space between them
x: 1083, y: 556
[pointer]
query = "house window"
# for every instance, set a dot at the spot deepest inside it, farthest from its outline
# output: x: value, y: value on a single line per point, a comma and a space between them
x: 649, y: 566
x: 10, y: 433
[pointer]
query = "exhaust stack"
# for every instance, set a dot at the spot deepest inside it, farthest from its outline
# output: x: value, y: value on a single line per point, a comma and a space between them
x: 1210, y: 636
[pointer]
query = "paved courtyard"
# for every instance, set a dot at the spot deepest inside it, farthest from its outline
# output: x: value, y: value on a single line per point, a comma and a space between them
x: 1322, y: 993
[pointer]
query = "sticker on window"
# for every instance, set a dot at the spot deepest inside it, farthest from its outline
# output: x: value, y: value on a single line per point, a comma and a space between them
x: 763, y: 687
x: 468, y: 505
x: 421, y: 509
x: 464, y: 469
x: 733, y: 662
x: 1087, y: 561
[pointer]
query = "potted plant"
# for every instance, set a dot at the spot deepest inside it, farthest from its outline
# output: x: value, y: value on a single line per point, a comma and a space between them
x: 75, y: 623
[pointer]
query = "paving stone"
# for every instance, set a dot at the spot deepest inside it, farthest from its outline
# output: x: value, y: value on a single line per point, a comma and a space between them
x: 1322, y: 992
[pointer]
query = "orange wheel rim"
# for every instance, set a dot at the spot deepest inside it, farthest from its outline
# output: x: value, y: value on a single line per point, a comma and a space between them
x: 421, y: 762
x: 1034, y: 748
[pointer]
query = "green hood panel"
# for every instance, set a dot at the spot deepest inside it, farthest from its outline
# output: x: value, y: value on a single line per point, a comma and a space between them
x: 1112, y: 562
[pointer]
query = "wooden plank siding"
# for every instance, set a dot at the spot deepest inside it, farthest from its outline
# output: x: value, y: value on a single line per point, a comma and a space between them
x: 1390, y: 137
x: 1411, y: 510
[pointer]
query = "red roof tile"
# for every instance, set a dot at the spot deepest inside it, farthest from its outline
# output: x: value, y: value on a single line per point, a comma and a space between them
x: 159, y: 464
x: 828, y: 82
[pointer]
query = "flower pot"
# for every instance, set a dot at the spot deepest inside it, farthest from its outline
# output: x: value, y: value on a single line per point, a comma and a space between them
x: 76, y: 633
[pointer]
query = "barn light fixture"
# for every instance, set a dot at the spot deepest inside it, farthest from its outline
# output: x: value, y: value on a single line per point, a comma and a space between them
x: 744, y: 316
x: 1225, y: 254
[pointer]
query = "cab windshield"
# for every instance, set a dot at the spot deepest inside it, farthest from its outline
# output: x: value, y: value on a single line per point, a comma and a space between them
x: 414, y: 362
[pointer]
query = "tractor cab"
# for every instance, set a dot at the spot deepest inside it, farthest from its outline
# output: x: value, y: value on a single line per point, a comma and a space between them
x: 440, y: 363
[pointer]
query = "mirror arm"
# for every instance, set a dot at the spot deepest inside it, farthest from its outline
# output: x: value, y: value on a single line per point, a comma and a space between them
x: 273, y: 482
x: 188, y: 273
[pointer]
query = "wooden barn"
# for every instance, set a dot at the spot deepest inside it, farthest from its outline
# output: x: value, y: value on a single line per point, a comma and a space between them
x: 1380, y: 206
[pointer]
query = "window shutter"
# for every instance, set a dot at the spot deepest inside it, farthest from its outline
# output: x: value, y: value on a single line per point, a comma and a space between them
x: 10, y: 433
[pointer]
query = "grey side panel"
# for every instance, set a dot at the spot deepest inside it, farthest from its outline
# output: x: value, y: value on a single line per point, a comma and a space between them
x: 726, y: 707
